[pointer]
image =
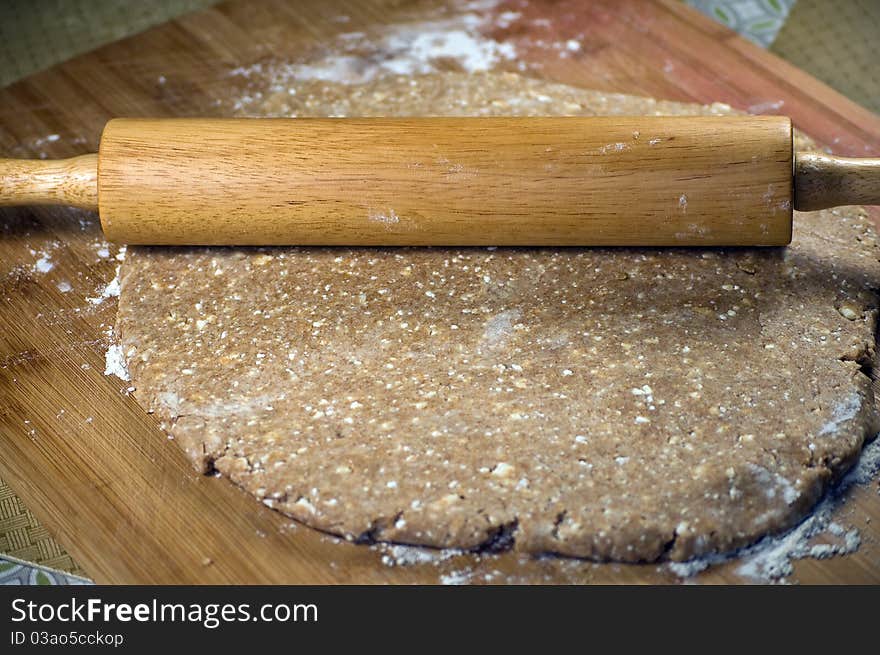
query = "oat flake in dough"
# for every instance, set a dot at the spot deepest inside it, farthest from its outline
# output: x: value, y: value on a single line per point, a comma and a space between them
x: 628, y: 404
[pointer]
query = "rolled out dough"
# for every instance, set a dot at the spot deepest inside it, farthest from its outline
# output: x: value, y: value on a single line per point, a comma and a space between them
x: 628, y: 404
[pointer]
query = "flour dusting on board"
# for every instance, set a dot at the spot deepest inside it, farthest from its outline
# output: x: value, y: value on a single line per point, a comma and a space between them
x: 401, y: 49
x: 818, y: 536
x: 114, y: 358
x: 44, y: 264
x: 462, y: 577
x: 115, y: 363
x: 111, y: 290
x: 400, y: 555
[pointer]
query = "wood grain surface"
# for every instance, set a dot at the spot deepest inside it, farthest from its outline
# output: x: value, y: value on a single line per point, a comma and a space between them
x: 71, y: 182
x: 823, y: 181
x: 96, y: 468
x: 494, y: 181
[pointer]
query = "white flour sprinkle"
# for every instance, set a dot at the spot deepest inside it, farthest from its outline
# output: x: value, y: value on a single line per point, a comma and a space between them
x: 613, y: 147
x: 763, y: 107
x: 456, y: 578
x: 44, y: 264
x: 507, y: 18
x: 499, y: 327
x: 399, y: 555
x: 843, y: 412
x: 417, y: 49
x: 115, y: 363
x: 111, y: 290
x: 49, y: 138
x: 64, y: 286
x: 388, y: 218
x: 402, y: 49
x: 690, y: 568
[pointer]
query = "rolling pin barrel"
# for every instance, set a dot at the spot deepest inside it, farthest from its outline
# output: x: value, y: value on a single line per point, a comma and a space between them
x: 448, y: 181
x: 607, y: 181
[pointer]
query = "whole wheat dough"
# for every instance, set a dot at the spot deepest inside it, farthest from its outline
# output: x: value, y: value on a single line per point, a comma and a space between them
x: 630, y: 404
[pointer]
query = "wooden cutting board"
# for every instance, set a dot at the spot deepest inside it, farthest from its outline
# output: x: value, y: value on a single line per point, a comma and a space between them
x: 96, y: 468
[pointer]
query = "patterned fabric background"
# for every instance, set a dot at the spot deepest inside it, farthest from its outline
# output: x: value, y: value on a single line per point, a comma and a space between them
x: 14, y: 571
x: 757, y: 20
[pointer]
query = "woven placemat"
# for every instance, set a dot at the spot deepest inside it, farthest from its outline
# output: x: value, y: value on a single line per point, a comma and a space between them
x: 23, y: 537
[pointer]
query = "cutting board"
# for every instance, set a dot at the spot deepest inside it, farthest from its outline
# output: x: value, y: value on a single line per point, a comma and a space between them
x: 95, y: 467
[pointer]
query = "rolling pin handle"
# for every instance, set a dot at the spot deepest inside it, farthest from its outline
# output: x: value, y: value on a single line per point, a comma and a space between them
x: 72, y: 182
x: 823, y: 181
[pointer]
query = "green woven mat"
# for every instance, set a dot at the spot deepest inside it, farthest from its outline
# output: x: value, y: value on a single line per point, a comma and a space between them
x: 36, y: 34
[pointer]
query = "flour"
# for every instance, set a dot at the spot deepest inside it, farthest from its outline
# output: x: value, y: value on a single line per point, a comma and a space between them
x: 456, y: 577
x: 771, y: 558
x: 769, y: 107
x: 115, y: 363
x: 843, y: 412
x: 114, y: 358
x: 416, y: 49
x: 399, y: 555
x: 111, y: 289
x: 499, y: 327
x: 388, y: 218
x: 774, y: 483
x: 507, y: 18
x: 44, y: 264
x: 400, y: 49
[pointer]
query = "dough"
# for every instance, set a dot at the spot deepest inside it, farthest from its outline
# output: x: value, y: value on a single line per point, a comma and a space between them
x: 628, y: 404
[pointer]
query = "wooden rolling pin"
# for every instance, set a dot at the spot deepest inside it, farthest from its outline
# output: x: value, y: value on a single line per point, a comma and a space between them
x: 622, y: 181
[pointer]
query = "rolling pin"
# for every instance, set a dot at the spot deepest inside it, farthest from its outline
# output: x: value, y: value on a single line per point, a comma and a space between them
x: 606, y: 181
